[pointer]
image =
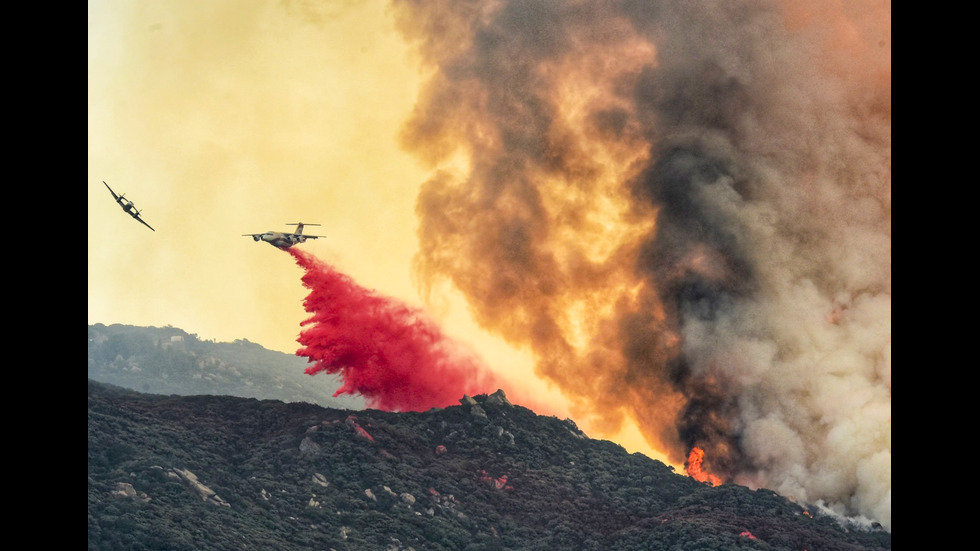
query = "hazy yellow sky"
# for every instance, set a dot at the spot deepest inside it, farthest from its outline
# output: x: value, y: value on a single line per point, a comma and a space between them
x: 238, y: 116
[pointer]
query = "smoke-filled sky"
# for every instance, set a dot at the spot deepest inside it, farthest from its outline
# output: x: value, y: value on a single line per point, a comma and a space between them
x: 670, y: 219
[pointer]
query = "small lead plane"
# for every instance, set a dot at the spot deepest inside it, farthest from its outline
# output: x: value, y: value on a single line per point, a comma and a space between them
x: 284, y: 240
x: 127, y: 206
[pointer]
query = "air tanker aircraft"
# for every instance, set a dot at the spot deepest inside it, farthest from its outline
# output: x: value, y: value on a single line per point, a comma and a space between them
x: 283, y: 240
x: 127, y: 206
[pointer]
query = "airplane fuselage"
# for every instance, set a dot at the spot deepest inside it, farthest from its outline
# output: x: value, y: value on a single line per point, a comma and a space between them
x: 128, y: 207
x: 279, y: 240
x: 284, y: 240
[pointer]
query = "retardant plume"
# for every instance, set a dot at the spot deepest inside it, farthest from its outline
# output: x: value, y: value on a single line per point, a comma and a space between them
x: 684, y: 210
x: 393, y: 355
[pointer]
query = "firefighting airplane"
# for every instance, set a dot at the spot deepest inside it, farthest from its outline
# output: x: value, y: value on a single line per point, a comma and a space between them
x: 283, y: 240
x: 127, y: 206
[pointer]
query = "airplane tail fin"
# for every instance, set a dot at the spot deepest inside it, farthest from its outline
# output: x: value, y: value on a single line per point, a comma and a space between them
x: 299, y: 227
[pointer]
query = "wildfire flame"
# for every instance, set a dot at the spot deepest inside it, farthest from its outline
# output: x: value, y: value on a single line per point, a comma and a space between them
x: 695, y: 469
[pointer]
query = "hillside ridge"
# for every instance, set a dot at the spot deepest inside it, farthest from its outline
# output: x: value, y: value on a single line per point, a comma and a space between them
x: 224, y: 472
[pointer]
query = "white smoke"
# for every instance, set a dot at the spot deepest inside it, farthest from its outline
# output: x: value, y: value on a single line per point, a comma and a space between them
x: 768, y: 174
x: 810, y: 350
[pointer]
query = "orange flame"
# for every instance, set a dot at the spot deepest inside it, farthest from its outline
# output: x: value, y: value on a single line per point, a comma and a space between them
x: 695, y: 470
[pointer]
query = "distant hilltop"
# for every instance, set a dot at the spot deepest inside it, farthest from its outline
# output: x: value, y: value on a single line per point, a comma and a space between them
x: 168, y: 360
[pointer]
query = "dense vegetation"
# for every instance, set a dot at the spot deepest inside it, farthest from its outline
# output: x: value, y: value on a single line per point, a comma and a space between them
x: 482, y: 475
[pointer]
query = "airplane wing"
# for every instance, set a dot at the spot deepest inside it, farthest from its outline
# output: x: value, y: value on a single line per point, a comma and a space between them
x: 306, y: 235
x: 114, y: 196
x: 136, y: 216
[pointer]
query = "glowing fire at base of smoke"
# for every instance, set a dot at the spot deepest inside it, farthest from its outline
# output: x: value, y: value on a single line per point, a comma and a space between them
x: 695, y: 468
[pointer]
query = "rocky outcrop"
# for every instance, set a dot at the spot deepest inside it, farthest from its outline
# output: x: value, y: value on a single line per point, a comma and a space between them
x: 505, y: 434
x: 320, y: 479
x: 499, y: 399
x: 191, y: 481
x: 308, y: 446
x: 125, y: 489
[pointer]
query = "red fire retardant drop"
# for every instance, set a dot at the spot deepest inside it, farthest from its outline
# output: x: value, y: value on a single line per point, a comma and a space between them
x: 390, y: 353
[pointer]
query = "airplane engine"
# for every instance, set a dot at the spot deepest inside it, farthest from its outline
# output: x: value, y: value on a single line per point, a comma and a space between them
x: 255, y: 238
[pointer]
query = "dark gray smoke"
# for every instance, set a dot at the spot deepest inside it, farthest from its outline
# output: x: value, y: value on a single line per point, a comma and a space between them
x: 684, y: 210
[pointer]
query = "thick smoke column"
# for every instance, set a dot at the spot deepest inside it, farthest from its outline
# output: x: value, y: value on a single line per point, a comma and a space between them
x: 393, y: 355
x: 684, y: 210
